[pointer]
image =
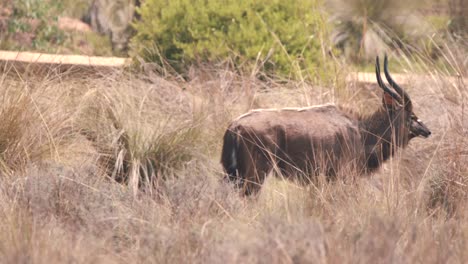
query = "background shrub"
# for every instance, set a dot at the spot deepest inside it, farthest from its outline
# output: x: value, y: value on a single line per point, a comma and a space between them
x: 364, y: 29
x: 280, y: 36
x: 30, y: 24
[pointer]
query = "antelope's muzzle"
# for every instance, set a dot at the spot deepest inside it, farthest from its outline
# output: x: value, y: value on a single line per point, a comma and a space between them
x: 418, y: 128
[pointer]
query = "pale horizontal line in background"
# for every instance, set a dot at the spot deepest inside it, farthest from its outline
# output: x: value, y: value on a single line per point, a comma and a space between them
x: 80, y: 60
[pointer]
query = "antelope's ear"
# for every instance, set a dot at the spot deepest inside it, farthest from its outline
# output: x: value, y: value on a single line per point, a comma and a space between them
x: 389, y: 101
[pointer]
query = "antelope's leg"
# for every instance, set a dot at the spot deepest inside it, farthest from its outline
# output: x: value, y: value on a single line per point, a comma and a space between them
x: 256, y: 173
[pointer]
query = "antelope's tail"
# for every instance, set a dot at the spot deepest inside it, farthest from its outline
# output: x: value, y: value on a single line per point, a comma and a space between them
x: 229, y: 158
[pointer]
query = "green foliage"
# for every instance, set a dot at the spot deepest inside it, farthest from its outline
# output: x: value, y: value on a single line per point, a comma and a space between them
x: 101, y: 45
x: 439, y: 22
x: 75, y: 8
x: 281, y: 36
x: 33, y: 24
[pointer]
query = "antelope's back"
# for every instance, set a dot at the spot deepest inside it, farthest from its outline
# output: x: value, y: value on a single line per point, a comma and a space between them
x: 301, y: 134
x: 318, y: 122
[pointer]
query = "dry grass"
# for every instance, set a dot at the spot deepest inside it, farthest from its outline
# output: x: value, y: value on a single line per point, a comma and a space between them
x: 66, y: 143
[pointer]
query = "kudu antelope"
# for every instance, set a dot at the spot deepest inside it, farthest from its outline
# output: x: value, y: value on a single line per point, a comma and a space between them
x: 327, y: 139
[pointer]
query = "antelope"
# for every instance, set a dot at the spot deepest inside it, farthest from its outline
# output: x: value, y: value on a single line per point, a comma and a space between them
x: 328, y: 139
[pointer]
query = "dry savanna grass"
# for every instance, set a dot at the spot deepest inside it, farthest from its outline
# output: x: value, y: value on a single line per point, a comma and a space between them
x: 124, y: 168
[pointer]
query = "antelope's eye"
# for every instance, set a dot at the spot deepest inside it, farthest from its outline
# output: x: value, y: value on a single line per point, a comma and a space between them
x: 412, y: 118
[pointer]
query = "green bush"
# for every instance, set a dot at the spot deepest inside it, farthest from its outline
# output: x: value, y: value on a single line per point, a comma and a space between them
x: 281, y: 36
x: 33, y: 24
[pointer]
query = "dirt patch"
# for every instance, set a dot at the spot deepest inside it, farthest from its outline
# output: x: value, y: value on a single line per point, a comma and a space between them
x: 73, y: 24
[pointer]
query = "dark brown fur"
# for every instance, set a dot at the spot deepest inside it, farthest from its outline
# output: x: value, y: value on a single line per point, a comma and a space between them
x: 302, y: 142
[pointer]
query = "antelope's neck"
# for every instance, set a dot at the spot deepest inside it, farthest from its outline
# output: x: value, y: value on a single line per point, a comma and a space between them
x: 376, y: 133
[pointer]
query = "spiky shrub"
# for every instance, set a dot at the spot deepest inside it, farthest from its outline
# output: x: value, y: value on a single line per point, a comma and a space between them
x: 287, y: 37
x: 366, y: 28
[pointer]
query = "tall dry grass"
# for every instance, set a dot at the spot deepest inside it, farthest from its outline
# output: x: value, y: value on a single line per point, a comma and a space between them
x: 124, y: 168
